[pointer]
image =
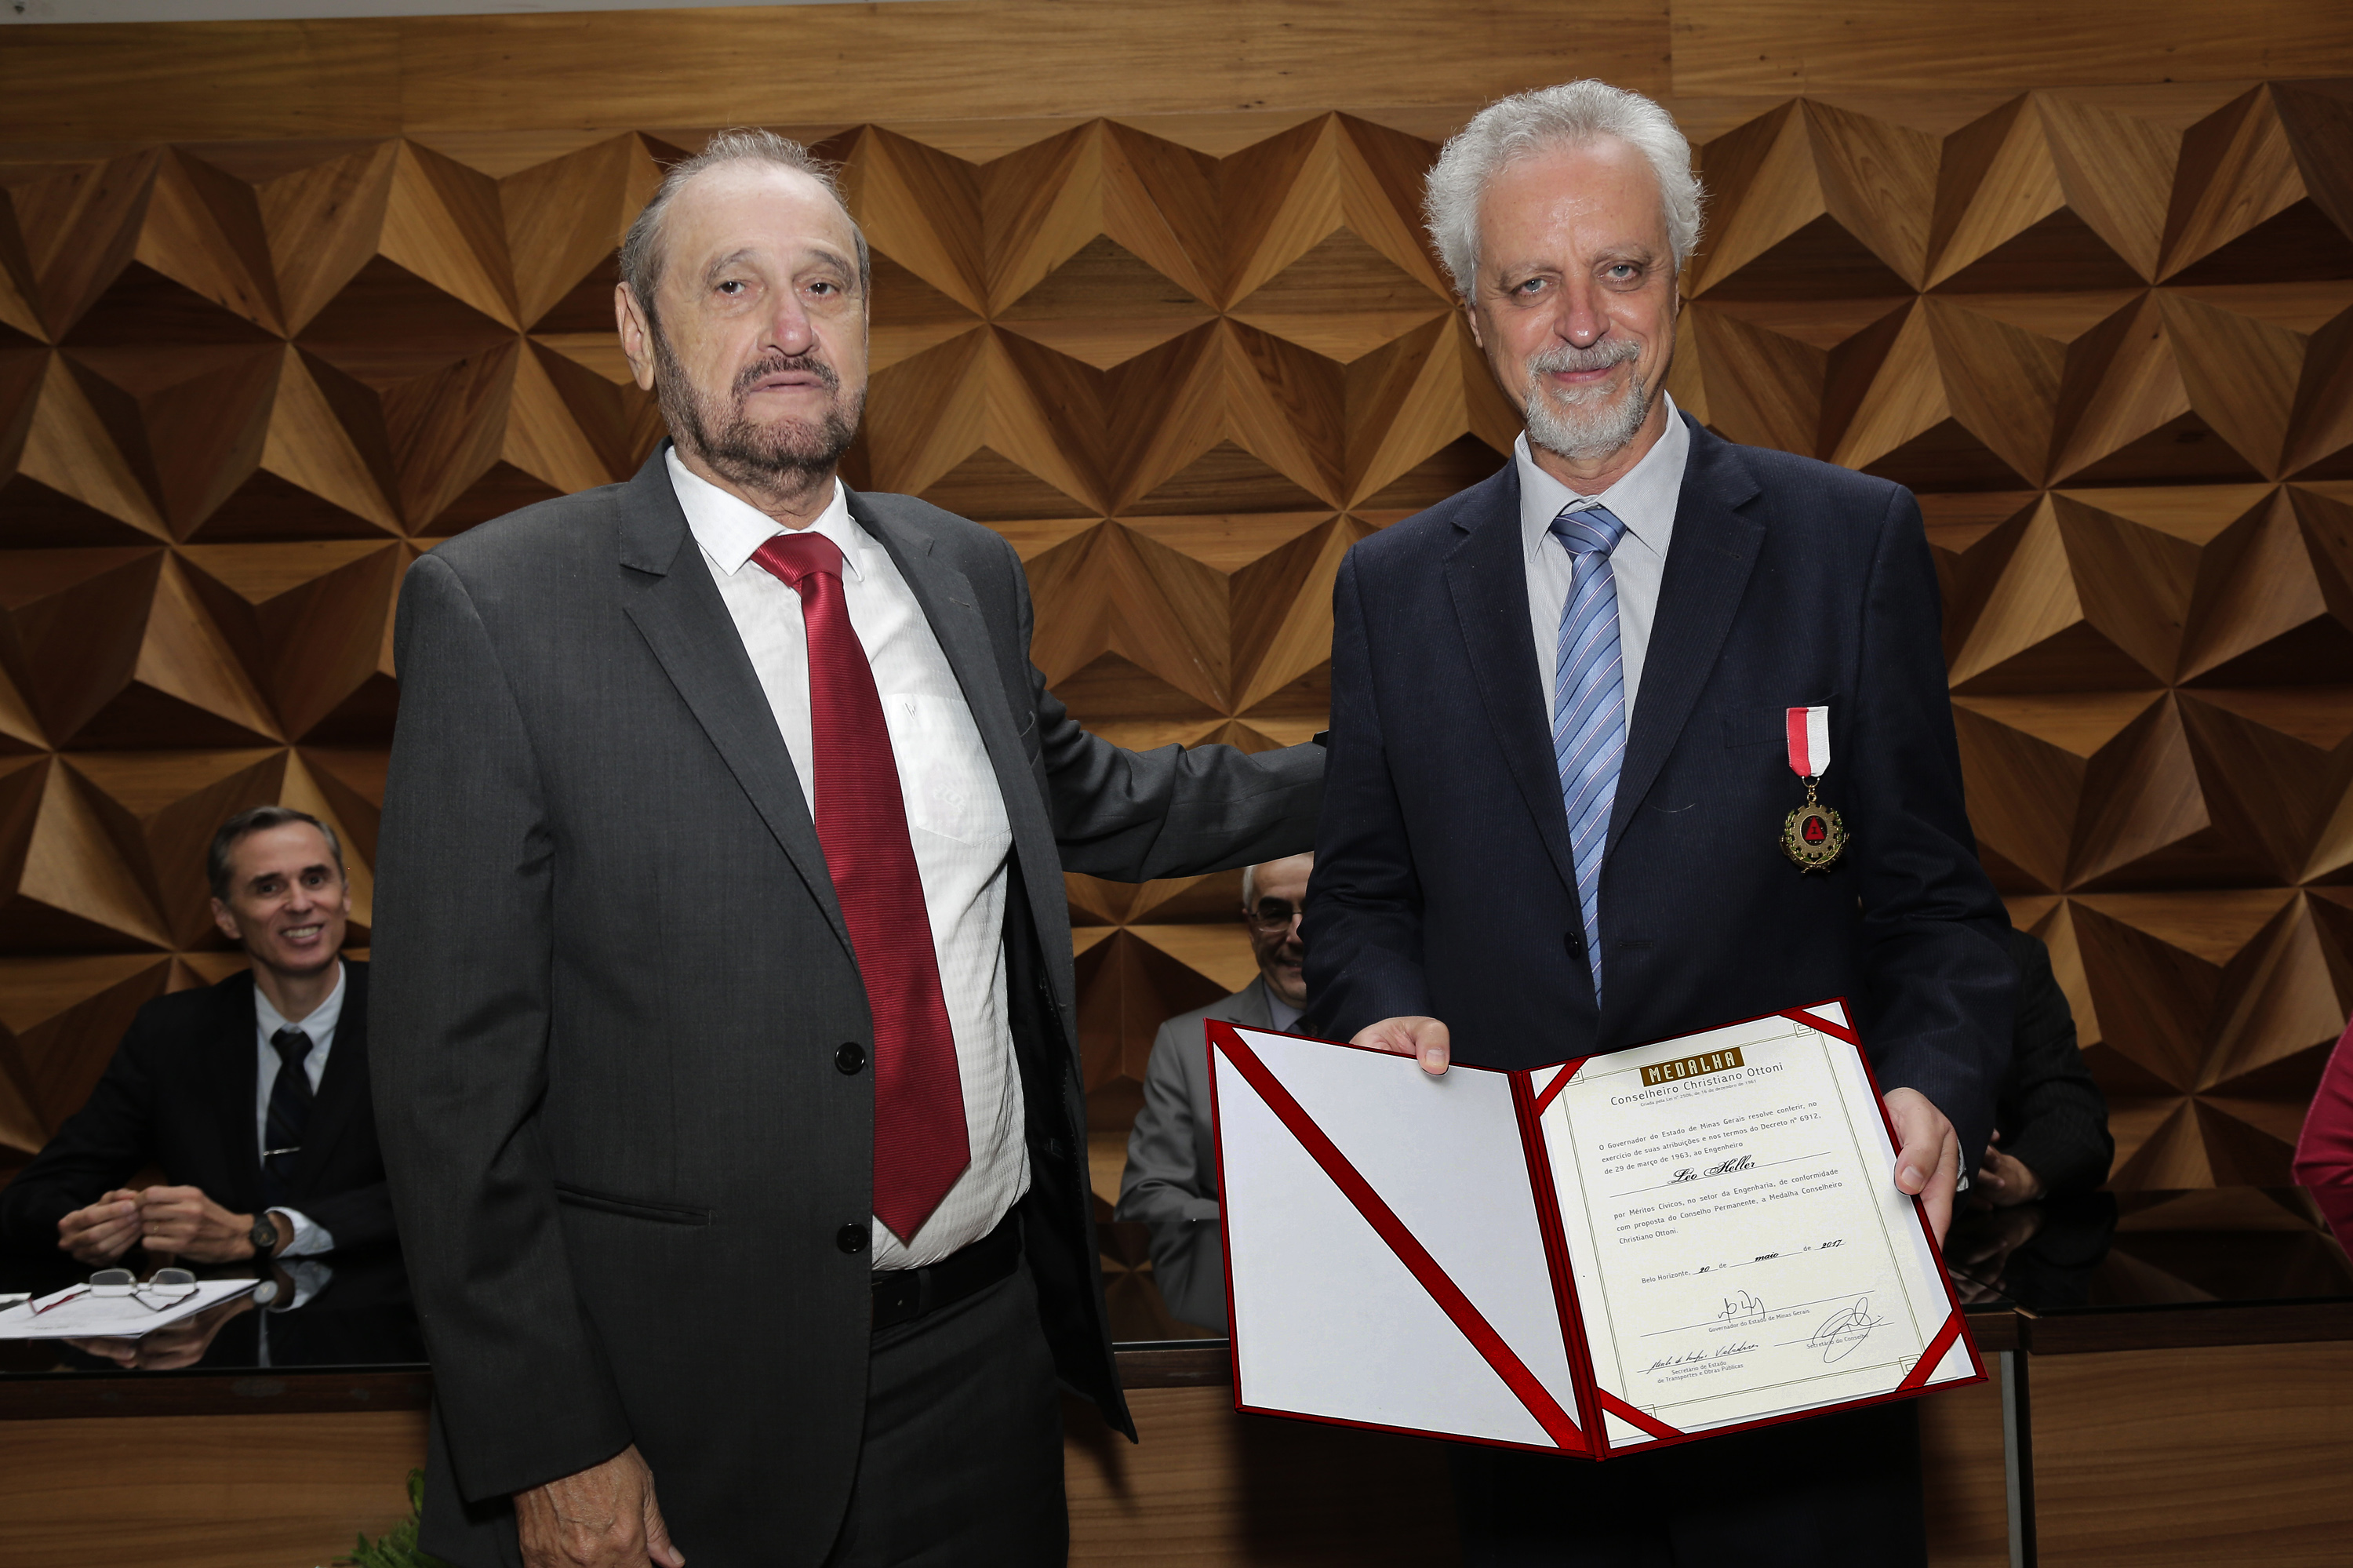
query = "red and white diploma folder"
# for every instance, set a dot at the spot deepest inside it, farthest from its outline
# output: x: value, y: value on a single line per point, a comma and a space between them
x: 1592, y: 1258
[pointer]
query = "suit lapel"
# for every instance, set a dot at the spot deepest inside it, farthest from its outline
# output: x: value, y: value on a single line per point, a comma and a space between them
x: 1487, y: 576
x: 1250, y: 1008
x: 342, y: 1086
x: 675, y: 607
x: 946, y: 597
x: 1708, y: 567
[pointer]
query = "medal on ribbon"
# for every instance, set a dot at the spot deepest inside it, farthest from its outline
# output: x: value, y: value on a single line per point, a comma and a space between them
x: 1812, y: 836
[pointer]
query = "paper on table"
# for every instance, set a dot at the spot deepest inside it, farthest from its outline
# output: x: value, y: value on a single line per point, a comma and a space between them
x: 89, y: 1317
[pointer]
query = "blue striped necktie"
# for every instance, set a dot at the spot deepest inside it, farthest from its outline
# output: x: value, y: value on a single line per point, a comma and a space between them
x: 1589, y: 706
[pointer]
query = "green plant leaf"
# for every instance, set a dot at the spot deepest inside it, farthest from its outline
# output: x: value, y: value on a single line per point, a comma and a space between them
x: 397, y: 1547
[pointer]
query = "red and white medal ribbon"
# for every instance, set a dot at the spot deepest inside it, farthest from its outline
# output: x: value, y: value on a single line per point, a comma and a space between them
x: 1809, y: 741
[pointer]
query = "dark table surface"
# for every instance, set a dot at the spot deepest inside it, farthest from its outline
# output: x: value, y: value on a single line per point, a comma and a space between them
x: 337, y: 1311
x: 2094, y: 1267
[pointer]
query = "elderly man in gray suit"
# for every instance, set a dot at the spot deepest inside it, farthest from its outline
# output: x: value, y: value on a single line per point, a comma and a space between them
x: 728, y: 1070
x: 1171, y: 1180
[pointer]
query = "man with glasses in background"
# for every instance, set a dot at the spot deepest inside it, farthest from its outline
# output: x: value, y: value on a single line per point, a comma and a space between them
x: 1171, y: 1181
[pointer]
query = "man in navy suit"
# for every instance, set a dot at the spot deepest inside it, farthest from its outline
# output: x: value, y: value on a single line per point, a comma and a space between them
x: 1560, y: 767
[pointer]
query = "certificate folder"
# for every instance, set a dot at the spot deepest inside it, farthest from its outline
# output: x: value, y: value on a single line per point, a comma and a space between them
x: 1601, y: 1256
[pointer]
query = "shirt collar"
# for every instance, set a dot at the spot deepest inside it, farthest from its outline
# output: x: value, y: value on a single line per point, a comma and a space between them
x: 1644, y: 499
x: 730, y: 529
x: 318, y: 1023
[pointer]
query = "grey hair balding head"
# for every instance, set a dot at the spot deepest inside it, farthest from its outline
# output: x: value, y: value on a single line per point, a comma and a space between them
x: 642, y: 253
x: 1574, y: 114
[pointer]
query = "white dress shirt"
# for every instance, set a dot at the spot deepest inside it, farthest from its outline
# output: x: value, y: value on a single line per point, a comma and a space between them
x: 1644, y: 500
x: 955, y: 817
x: 1281, y: 1014
x: 318, y: 1023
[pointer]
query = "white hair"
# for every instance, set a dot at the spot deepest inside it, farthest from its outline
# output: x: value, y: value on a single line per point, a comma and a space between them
x: 1573, y: 114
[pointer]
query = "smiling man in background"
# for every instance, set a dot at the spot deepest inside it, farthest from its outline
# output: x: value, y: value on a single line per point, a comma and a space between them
x: 726, y: 995
x: 250, y: 1095
x: 1562, y: 815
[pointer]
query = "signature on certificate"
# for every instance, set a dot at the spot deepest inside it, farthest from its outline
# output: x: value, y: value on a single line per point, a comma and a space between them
x: 1693, y: 1358
x: 1740, y: 1307
x: 1843, y: 1330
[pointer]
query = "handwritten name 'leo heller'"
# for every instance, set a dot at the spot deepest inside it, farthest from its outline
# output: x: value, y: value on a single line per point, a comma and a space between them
x: 1691, y: 1066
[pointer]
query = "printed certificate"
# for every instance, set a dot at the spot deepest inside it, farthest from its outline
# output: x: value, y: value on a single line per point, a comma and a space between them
x: 1739, y: 1245
x: 1636, y: 1248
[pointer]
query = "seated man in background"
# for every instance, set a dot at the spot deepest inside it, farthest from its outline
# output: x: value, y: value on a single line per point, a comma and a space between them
x: 1172, y: 1157
x: 251, y: 1096
x: 2034, y: 1230
x: 2051, y: 1123
x: 1171, y: 1181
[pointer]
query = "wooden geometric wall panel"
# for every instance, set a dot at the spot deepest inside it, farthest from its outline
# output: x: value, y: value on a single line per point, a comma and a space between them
x: 1160, y: 628
x: 1817, y: 202
x: 2264, y: 194
x: 307, y: 620
x: 1182, y: 365
x: 72, y: 484
x: 59, y: 1020
x: 65, y: 884
x: 160, y: 808
x: 2207, y: 1016
x: 2143, y: 586
x: 2051, y: 190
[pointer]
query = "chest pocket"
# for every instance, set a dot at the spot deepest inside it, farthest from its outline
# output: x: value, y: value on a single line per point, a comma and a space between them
x: 951, y: 790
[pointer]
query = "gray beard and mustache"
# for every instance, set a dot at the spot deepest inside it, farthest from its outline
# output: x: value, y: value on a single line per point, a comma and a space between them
x: 738, y: 446
x: 1592, y: 423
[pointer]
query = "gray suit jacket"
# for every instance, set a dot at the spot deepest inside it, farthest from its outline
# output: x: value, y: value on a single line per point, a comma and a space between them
x: 611, y: 977
x: 1172, y: 1150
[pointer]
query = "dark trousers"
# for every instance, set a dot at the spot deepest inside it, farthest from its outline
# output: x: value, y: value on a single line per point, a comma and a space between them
x: 1835, y: 1491
x: 962, y: 1462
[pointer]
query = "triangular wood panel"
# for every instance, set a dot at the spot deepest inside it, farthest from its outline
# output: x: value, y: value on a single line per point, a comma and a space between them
x: 1181, y: 362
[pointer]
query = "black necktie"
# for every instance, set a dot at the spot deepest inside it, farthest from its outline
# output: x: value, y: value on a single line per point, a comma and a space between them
x: 290, y: 1112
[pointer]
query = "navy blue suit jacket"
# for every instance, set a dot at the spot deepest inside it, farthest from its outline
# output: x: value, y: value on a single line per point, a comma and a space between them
x: 1443, y: 881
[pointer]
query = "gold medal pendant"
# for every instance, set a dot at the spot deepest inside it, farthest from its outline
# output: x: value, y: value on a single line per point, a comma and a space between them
x: 1813, y: 836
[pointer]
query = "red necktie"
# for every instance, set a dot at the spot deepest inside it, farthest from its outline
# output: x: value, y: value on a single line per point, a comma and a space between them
x: 921, y: 1145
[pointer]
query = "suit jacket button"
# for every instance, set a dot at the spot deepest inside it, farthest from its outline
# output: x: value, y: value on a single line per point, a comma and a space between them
x: 851, y: 1239
x: 1576, y: 940
x: 849, y: 1056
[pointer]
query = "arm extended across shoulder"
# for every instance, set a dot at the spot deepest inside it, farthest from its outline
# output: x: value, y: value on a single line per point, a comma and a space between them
x: 1176, y: 811
x: 457, y: 1043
